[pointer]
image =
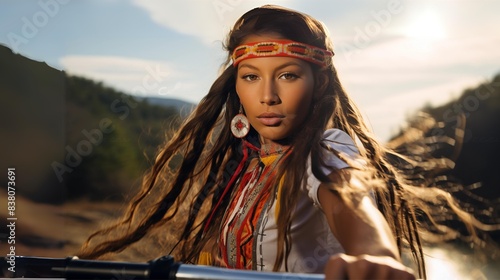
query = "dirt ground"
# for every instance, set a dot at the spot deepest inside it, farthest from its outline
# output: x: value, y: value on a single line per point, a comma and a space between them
x: 55, y: 231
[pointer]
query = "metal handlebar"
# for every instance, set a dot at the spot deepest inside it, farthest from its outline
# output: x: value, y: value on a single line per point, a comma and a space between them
x: 162, y: 268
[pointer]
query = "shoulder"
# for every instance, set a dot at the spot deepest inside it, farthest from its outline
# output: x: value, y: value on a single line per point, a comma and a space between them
x: 340, y: 141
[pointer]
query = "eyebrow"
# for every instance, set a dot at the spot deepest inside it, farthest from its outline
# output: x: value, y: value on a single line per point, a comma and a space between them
x: 290, y: 63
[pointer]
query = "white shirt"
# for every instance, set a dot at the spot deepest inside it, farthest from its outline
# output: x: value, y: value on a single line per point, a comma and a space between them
x: 312, y: 241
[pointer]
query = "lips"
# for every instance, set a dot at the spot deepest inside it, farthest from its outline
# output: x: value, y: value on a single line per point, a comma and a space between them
x: 270, y: 119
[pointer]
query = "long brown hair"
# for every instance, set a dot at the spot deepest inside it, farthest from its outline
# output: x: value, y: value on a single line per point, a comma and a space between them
x: 201, y: 156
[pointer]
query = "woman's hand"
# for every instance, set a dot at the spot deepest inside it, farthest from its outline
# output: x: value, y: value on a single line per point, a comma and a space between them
x: 343, y: 266
x: 370, y: 247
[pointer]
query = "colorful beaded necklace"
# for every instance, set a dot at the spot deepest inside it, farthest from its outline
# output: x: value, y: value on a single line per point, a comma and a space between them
x: 247, y: 203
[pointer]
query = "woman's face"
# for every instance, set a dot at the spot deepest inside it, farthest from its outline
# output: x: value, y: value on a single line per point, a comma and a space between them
x: 276, y: 93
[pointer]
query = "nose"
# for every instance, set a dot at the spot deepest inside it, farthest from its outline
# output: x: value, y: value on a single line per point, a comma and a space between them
x: 269, y: 93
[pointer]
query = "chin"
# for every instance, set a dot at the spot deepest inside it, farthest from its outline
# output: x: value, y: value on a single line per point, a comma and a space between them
x: 274, y: 136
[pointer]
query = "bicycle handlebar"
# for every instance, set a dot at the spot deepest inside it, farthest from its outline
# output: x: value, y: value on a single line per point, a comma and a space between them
x: 162, y: 268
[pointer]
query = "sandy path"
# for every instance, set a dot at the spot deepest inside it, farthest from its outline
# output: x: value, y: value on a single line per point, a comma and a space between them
x: 52, y: 230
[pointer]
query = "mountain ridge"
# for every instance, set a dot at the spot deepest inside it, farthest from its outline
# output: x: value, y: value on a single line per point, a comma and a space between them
x: 73, y: 137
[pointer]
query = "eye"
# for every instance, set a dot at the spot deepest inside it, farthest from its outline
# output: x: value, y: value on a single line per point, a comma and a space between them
x: 288, y: 76
x: 249, y: 77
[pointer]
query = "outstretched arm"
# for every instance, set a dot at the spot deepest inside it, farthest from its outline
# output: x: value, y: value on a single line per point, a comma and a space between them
x: 371, y: 251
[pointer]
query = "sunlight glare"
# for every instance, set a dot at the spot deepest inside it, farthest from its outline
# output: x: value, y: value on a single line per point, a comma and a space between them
x: 441, y: 266
x: 426, y: 30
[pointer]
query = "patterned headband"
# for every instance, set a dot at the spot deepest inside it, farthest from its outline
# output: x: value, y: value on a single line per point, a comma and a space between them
x: 282, y: 48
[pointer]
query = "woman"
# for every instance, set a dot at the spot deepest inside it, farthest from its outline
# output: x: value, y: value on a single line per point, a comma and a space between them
x: 276, y: 170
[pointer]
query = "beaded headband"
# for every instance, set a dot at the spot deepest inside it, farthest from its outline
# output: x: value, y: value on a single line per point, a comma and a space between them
x: 281, y: 48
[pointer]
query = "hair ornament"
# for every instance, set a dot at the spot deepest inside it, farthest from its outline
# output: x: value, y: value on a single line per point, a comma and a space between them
x: 282, y: 48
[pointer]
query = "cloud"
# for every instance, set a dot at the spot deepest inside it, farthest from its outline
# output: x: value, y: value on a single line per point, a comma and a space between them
x: 387, y: 115
x: 135, y: 76
x: 400, y: 63
x: 395, y: 77
x: 207, y: 20
x: 408, y: 54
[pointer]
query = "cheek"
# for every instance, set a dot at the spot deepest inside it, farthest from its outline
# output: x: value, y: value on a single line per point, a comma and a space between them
x: 299, y: 101
x: 241, y: 91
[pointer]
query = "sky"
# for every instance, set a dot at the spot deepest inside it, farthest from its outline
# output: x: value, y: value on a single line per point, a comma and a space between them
x: 393, y: 56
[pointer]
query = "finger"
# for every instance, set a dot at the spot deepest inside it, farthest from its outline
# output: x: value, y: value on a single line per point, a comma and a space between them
x: 389, y: 268
x: 360, y: 268
x: 404, y: 274
x: 336, y: 267
x: 370, y: 267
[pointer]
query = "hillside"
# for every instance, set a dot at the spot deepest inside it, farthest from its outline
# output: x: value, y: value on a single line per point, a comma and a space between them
x: 69, y: 137
x: 463, y: 139
x: 183, y: 107
x: 466, y: 131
